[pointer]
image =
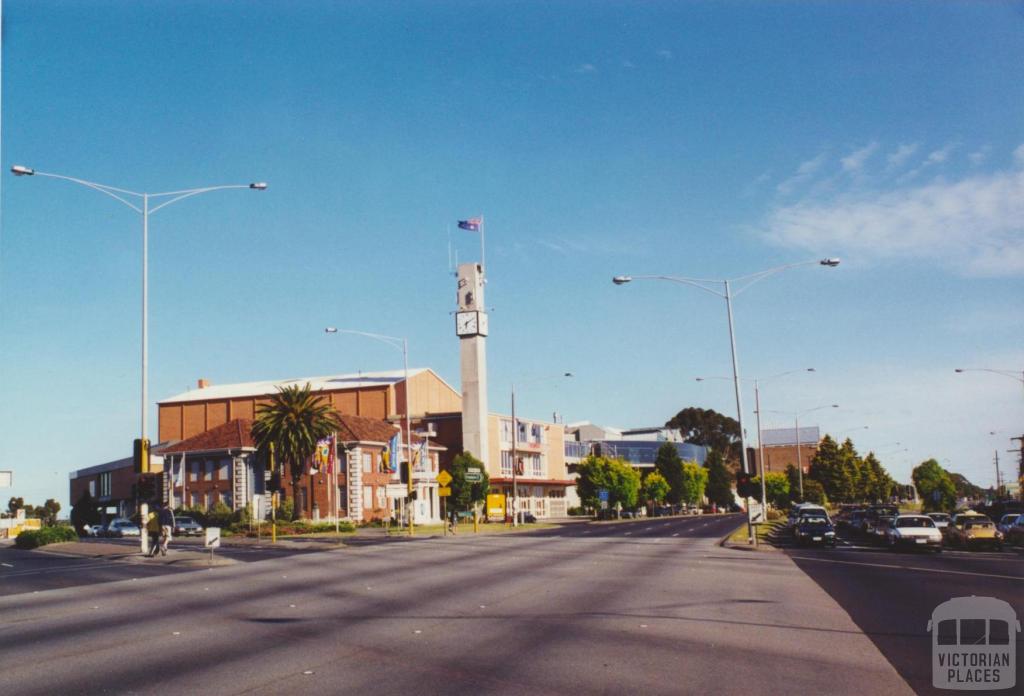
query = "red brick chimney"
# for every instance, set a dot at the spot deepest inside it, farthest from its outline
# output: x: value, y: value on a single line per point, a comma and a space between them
x: 203, y: 383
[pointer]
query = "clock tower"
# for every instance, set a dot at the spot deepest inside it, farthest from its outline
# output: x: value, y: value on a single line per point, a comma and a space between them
x: 471, y: 328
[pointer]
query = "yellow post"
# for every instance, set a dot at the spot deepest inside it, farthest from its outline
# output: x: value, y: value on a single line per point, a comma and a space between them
x: 476, y: 518
x: 273, y: 501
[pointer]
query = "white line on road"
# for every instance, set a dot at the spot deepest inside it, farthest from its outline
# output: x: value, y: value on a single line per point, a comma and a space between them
x: 6, y: 565
x: 902, y: 567
x: 676, y: 534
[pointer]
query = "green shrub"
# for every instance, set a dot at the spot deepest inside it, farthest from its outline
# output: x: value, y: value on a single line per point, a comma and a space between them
x: 35, y: 538
x: 576, y: 511
x: 286, y: 509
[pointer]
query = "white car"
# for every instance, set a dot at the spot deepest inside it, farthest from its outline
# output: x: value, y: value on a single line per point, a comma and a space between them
x: 940, y: 519
x: 914, y: 531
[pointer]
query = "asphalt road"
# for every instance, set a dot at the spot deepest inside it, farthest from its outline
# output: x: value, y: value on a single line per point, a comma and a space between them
x: 891, y: 595
x: 652, y: 606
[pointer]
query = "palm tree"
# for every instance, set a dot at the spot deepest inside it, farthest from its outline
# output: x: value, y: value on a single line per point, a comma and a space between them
x: 293, y: 421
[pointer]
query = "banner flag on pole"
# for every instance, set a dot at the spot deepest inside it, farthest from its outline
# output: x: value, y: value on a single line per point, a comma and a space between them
x: 472, y: 224
x: 391, y: 454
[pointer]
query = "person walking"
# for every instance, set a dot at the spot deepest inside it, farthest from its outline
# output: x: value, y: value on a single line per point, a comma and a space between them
x: 166, y: 519
x: 153, y: 530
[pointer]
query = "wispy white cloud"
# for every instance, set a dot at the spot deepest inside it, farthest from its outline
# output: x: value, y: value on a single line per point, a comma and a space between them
x: 804, y: 172
x: 977, y: 157
x: 900, y: 155
x: 854, y: 162
x: 974, y: 225
x: 934, y: 158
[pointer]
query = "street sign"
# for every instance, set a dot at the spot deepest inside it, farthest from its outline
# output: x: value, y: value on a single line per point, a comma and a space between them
x: 444, y: 492
x: 258, y: 511
x: 444, y: 478
x: 474, y: 476
x: 602, y: 495
x: 756, y: 513
x: 212, y: 538
x: 473, y: 469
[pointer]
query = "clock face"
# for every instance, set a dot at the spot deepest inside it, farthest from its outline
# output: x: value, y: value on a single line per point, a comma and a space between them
x: 466, y: 323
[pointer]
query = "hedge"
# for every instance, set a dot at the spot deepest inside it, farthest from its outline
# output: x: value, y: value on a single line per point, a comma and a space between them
x: 35, y: 538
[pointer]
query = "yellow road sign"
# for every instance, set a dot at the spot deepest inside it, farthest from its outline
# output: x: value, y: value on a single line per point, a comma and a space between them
x: 444, y: 492
x: 444, y: 478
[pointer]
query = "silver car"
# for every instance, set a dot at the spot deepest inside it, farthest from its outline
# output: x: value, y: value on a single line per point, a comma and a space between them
x: 940, y: 519
x: 122, y: 528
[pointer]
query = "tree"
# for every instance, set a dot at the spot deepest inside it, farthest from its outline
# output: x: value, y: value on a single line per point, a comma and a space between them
x: 48, y: 512
x: 827, y: 469
x: 695, y: 480
x: 465, y: 493
x: 964, y: 488
x: 15, y: 504
x: 293, y: 421
x: 934, y: 486
x: 613, y: 475
x: 814, y: 492
x: 84, y: 512
x: 878, y: 484
x: 655, y: 487
x: 709, y: 428
x: 670, y: 466
x: 793, y: 476
x: 776, y: 488
x: 719, y: 490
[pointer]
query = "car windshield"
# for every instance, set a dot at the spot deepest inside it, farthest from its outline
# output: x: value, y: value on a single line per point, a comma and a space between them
x: 813, y: 520
x: 940, y: 516
x: 186, y: 520
x: 977, y: 524
x: 915, y: 522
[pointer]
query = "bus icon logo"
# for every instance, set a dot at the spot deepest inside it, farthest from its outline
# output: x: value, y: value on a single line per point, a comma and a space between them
x: 974, y: 642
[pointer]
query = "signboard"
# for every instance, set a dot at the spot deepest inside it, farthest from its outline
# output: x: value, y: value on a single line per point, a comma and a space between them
x: 602, y: 495
x: 474, y: 476
x: 212, y: 538
x: 756, y: 512
x: 6, y: 479
x: 259, y: 510
x: 496, y: 506
x: 444, y: 478
x: 444, y: 492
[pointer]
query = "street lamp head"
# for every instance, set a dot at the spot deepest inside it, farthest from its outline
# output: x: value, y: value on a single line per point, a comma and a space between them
x: 568, y: 374
x: 259, y: 185
x: 19, y: 170
x: 330, y: 329
x: 831, y: 262
x: 959, y: 369
x: 835, y: 405
x: 622, y: 280
x: 811, y: 369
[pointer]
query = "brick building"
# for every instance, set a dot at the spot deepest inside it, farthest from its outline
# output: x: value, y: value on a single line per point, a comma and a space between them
x: 111, y: 485
x: 780, y: 448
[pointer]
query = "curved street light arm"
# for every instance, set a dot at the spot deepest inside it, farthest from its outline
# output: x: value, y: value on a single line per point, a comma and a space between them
x: 761, y: 275
x: 179, y: 195
x: 695, y: 282
x: 393, y: 341
x: 1012, y: 374
x: 102, y: 188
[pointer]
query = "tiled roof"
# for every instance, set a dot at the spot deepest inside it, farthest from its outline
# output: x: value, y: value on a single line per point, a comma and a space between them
x: 360, y: 429
x: 235, y: 434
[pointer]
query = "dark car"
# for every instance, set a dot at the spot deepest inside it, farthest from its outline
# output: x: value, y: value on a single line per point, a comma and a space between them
x: 526, y: 518
x: 186, y: 526
x: 815, y: 530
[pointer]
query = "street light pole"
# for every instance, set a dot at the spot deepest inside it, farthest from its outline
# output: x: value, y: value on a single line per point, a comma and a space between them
x: 120, y: 195
x: 709, y: 286
x: 799, y: 459
x: 403, y: 345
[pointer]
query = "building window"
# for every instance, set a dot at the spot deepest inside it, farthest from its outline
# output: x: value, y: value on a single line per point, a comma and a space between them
x: 522, y: 432
x: 342, y: 499
x: 225, y: 498
x: 506, y: 431
x: 92, y: 489
x: 105, y: 484
x: 537, y: 466
x: 208, y: 500
x: 194, y: 474
x: 382, y: 497
x: 225, y: 471
x: 195, y: 499
x: 367, y: 463
x: 506, y: 463
x: 209, y: 470
x: 368, y: 497
x: 535, y: 431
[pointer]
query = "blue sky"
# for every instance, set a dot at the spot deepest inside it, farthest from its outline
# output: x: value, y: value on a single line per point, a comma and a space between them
x: 694, y: 139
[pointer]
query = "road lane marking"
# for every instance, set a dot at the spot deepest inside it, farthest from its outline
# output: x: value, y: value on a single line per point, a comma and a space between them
x: 902, y: 567
x: 676, y: 534
x: 6, y: 565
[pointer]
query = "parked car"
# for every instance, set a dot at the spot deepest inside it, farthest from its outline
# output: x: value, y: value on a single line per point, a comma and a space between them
x: 940, y: 519
x: 1016, y: 534
x: 879, y: 516
x: 526, y: 518
x: 1006, y: 522
x: 913, y: 531
x: 972, y: 530
x: 121, y: 528
x: 815, y: 529
x: 187, y: 526
x: 849, y: 519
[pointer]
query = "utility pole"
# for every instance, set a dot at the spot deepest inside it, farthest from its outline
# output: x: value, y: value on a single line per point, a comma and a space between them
x: 999, y: 484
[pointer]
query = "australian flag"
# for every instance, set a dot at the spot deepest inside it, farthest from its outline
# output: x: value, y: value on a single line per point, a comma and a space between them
x: 472, y: 224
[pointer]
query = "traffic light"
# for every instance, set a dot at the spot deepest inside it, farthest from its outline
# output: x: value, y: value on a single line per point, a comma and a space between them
x: 272, y: 475
x: 403, y: 472
x: 140, y: 455
x: 744, y: 486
